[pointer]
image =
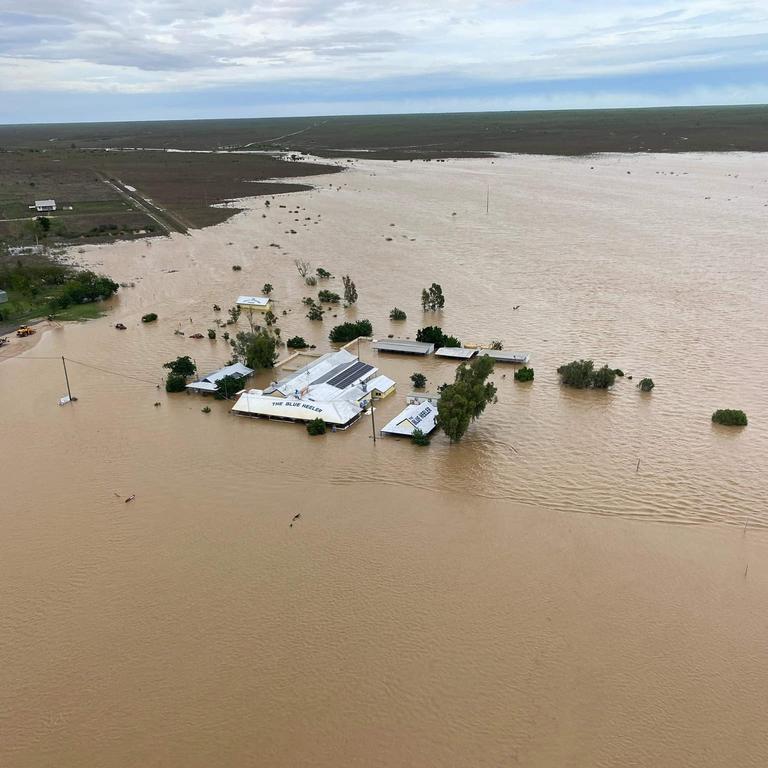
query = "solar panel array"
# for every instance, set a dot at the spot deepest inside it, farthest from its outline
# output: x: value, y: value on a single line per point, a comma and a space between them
x: 350, y: 375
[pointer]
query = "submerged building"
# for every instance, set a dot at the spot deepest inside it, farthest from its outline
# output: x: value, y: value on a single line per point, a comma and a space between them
x: 336, y: 388
x: 209, y: 383
x: 421, y: 416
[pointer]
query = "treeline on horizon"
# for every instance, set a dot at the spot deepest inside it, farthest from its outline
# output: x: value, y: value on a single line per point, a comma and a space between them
x: 572, y: 132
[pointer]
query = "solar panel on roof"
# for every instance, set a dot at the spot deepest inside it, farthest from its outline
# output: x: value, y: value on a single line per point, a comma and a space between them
x: 353, y: 373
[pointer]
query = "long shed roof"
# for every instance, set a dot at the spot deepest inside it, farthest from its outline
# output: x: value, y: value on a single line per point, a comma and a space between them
x: 503, y: 356
x: 461, y: 353
x: 406, y: 346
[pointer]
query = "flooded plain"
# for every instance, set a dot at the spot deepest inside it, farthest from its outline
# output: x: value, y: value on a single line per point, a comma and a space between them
x: 581, y: 581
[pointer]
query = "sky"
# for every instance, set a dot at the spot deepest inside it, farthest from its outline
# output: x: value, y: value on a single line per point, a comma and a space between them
x: 84, y: 60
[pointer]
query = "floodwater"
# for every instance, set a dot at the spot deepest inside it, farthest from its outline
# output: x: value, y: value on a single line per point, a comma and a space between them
x: 581, y: 581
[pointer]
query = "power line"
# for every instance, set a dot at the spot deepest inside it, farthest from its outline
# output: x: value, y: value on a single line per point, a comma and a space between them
x: 80, y: 362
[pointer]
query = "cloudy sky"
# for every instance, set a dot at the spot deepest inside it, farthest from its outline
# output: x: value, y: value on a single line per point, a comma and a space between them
x: 88, y: 60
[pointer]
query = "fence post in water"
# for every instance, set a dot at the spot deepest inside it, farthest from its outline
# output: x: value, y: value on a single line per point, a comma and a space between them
x: 637, y: 468
x: 373, y: 420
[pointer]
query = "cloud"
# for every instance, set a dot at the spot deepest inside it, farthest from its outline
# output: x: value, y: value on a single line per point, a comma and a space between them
x: 170, y: 46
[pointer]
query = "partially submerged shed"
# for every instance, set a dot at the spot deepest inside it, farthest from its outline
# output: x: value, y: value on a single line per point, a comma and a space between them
x: 458, y: 353
x: 404, y: 346
x: 502, y: 356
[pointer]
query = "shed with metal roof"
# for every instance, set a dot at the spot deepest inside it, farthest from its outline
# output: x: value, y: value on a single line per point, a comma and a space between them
x: 404, y: 346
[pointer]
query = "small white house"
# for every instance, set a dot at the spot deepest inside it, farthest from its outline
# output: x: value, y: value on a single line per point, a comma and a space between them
x: 45, y: 206
x: 209, y: 383
x: 3, y: 297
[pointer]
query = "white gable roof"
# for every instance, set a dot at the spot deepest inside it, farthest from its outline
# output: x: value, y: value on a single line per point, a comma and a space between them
x: 418, y: 416
x: 253, y: 301
x: 208, y: 383
x: 338, y: 412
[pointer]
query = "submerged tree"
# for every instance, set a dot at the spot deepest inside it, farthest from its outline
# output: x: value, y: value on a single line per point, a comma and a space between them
x: 256, y: 349
x: 465, y: 400
x: 350, y: 291
x: 397, y: 314
x: 302, y: 267
x: 182, y: 366
x: 419, y: 380
x: 432, y: 298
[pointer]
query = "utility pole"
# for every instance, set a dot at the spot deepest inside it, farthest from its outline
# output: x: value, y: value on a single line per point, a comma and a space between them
x: 63, y: 362
x: 373, y: 420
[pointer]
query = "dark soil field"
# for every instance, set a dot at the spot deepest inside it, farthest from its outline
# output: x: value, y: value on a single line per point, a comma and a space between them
x: 174, y: 191
x: 576, y: 132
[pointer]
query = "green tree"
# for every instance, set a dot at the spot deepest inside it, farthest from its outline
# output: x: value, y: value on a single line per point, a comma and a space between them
x: 419, y: 380
x: 646, y: 385
x: 465, y: 400
x: 432, y: 298
x: 397, y: 314
x: 419, y: 438
x: 603, y: 378
x: 524, y: 374
x: 296, y: 342
x: 350, y: 331
x: 267, y: 289
x: 227, y: 386
x: 433, y: 334
x: 182, y: 366
x: 316, y: 427
x: 323, y: 274
x: 211, y: 333
x: 175, y: 382
x: 256, y: 349
x: 328, y: 297
x: 350, y: 291
x: 315, y: 312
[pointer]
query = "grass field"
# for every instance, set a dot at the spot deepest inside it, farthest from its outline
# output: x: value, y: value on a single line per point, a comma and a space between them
x: 575, y: 132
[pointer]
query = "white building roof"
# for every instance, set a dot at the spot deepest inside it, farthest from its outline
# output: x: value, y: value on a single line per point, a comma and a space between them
x: 506, y: 357
x: 45, y: 203
x: 418, y: 416
x: 208, y: 383
x: 337, y: 412
x: 380, y: 382
x: 253, y: 301
x: 459, y: 352
x: 337, y: 369
x: 408, y: 346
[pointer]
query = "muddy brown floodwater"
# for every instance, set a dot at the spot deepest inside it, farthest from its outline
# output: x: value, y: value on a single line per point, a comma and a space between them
x: 529, y: 597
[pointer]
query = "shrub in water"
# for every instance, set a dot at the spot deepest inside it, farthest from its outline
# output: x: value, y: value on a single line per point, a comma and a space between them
x: 419, y: 438
x: 397, y: 314
x: 266, y: 289
x: 646, y: 385
x: 149, y: 318
x: 603, y: 378
x: 618, y: 372
x: 323, y: 274
x: 236, y: 267
x: 206, y: 409
x: 316, y: 427
x: 730, y: 418
x: 315, y: 312
x: 211, y: 333
x: 419, y: 380
x: 524, y: 374
x: 350, y: 331
x: 175, y: 382
x: 328, y: 297
x: 581, y: 374
x: 296, y: 342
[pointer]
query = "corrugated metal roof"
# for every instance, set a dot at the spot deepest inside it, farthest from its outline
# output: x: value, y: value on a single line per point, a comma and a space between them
x: 313, y: 373
x: 208, y: 383
x: 506, y: 357
x: 418, y: 416
x: 458, y: 352
x: 406, y: 346
x: 382, y: 383
x: 339, y: 412
x: 253, y: 301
